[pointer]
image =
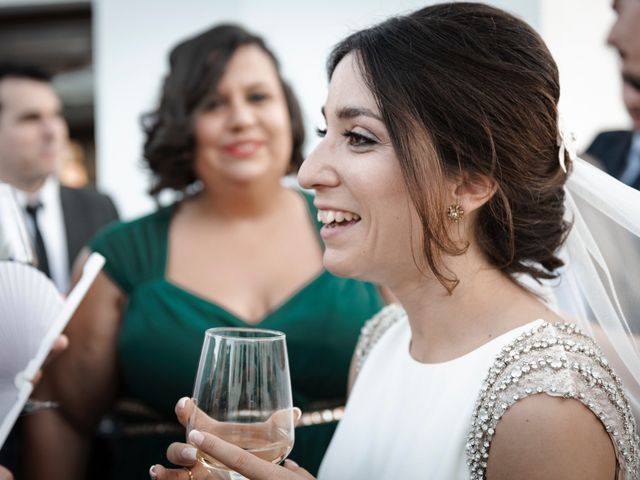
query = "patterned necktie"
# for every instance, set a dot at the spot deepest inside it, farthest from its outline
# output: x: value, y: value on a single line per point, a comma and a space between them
x: 41, y: 251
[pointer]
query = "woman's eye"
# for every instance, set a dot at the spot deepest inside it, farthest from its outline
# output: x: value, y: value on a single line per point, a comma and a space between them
x: 357, y: 139
x: 257, y: 97
x: 211, y: 104
x: 321, y: 132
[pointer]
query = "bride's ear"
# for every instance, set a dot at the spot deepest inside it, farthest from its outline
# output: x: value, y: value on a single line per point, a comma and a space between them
x: 472, y: 191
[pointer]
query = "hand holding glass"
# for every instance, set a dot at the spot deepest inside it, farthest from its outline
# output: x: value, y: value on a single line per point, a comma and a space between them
x: 242, y: 393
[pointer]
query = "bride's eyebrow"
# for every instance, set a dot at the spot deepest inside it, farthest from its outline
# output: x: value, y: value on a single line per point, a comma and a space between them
x: 353, y: 112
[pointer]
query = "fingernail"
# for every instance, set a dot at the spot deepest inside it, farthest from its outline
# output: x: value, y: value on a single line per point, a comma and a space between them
x: 196, y: 437
x: 290, y: 463
x: 182, y: 402
x: 152, y: 472
x: 189, y: 453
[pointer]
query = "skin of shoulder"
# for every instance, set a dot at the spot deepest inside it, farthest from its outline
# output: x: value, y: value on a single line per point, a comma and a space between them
x: 545, y: 437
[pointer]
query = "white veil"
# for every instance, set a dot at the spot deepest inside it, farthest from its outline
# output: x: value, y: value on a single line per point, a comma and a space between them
x: 599, y: 288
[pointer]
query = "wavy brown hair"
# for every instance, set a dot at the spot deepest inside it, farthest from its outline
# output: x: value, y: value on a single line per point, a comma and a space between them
x: 466, y: 89
x: 195, y: 68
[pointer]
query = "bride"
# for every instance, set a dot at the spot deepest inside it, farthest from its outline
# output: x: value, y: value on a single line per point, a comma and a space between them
x: 441, y: 147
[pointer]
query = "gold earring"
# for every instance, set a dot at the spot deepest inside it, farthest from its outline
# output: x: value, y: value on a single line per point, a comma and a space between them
x: 455, y: 212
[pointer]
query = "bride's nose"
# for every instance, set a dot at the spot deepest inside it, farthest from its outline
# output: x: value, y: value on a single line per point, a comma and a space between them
x: 318, y: 169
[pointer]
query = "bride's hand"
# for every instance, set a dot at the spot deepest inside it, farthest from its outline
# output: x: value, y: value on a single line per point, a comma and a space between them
x: 232, y: 456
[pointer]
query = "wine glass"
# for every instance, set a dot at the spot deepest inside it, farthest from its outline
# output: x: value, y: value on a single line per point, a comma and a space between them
x: 14, y: 239
x: 242, y: 394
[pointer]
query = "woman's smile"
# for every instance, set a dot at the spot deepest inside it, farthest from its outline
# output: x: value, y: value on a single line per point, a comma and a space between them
x: 243, y: 148
x: 336, y: 221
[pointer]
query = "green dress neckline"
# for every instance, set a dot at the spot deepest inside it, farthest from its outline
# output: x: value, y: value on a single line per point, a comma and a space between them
x: 225, y: 312
x: 162, y: 328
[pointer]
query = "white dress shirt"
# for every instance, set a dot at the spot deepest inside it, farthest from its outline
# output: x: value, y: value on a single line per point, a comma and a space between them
x: 52, y: 229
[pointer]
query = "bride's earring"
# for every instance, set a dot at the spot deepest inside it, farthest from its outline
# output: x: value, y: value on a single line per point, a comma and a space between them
x: 455, y: 212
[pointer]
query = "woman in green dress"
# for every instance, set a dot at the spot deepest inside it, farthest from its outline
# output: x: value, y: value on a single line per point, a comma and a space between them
x: 237, y: 249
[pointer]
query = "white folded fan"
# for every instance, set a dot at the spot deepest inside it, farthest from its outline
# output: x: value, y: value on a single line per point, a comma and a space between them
x: 32, y: 315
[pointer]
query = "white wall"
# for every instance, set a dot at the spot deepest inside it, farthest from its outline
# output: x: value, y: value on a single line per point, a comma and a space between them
x: 590, y: 87
x: 132, y: 39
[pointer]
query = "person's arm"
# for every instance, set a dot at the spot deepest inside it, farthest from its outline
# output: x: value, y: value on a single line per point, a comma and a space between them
x: 548, y: 438
x: 83, y: 380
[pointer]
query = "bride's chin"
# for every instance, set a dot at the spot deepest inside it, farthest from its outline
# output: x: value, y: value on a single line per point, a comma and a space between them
x: 343, y: 267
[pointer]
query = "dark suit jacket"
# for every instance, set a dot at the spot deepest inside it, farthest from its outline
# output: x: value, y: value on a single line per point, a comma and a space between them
x: 612, y: 150
x: 85, y: 212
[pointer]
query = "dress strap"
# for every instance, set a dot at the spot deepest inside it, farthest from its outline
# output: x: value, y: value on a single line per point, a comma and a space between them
x: 558, y: 360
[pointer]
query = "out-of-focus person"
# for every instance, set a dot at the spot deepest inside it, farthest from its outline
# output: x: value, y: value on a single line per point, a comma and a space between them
x: 618, y: 151
x: 59, y: 345
x: 33, y: 142
x: 237, y: 249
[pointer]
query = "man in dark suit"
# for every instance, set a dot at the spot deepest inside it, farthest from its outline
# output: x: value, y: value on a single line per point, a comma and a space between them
x: 33, y: 142
x: 619, y: 151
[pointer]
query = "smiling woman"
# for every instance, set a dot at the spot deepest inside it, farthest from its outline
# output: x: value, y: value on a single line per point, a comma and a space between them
x: 442, y: 139
x: 237, y: 249
x: 244, y: 131
x: 358, y: 159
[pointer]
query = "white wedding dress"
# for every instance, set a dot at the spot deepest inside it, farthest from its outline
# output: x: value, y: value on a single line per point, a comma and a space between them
x: 410, y: 420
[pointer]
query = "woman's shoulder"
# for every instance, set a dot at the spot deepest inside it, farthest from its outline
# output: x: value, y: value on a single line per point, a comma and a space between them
x: 135, y: 250
x: 554, y: 437
x: 559, y: 360
x: 126, y: 231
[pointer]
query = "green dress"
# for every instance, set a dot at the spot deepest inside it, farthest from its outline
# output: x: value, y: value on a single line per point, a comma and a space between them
x: 163, y: 329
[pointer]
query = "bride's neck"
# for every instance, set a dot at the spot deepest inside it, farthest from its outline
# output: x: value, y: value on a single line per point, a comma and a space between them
x: 484, y: 304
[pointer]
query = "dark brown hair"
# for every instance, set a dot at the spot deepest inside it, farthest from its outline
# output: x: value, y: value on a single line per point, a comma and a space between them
x: 467, y: 89
x: 195, y: 68
x: 23, y: 71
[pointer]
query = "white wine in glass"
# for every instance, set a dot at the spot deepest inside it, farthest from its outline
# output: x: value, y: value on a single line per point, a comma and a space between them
x: 242, y: 393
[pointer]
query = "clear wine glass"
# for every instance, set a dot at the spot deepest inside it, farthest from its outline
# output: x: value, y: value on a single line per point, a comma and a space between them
x: 242, y: 394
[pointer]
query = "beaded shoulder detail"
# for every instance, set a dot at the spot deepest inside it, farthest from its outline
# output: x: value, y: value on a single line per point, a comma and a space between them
x: 373, y: 329
x: 559, y: 360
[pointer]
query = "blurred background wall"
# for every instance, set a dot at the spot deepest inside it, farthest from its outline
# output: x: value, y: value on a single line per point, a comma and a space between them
x: 110, y: 56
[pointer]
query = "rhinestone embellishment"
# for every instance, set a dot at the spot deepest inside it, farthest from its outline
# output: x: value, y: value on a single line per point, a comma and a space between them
x: 559, y: 360
x: 373, y: 330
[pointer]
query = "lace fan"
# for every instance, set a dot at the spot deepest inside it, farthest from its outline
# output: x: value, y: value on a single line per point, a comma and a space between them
x: 32, y: 315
